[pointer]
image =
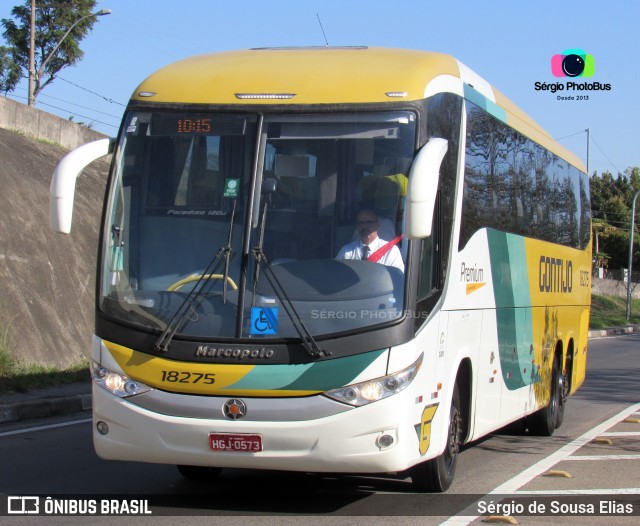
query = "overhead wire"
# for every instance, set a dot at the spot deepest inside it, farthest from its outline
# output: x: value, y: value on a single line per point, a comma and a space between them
x: 66, y: 110
x: 592, y: 139
x: 606, y: 156
x: 92, y: 92
x: 80, y: 106
x: 79, y: 115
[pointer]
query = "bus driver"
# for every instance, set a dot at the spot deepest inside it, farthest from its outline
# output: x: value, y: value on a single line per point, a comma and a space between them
x: 367, y: 225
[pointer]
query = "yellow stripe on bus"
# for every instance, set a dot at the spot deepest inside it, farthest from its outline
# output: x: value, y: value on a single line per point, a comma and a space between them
x: 190, y: 377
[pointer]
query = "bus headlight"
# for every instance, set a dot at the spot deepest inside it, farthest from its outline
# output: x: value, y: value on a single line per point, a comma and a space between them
x: 373, y: 390
x: 116, y: 383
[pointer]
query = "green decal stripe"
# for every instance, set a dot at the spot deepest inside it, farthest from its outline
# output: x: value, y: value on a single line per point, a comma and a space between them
x: 519, y: 272
x: 331, y: 374
x: 500, y: 269
x: 320, y: 376
x: 268, y: 377
x: 483, y: 102
x: 513, y: 301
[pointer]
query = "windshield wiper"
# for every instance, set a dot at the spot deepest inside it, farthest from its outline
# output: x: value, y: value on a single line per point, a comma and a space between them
x: 309, y: 343
x: 227, y: 255
x: 162, y: 344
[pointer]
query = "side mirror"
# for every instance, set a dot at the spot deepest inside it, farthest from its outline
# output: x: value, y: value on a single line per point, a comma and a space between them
x: 63, y: 184
x: 423, y: 188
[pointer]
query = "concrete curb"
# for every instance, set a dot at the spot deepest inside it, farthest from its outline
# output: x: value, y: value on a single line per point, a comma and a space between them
x: 40, y: 405
x: 614, y: 331
x: 44, y: 407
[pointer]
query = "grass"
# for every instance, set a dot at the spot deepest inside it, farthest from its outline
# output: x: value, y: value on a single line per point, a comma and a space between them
x: 41, y: 140
x: 606, y: 311
x: 610, y: 311
x: 17, y: 377
x: 22, y: 378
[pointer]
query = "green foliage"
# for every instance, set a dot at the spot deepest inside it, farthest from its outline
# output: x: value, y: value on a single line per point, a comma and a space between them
x: 9, y: 71
x: 7, y: 363
x: 611, y: 201
x: 53, y: 19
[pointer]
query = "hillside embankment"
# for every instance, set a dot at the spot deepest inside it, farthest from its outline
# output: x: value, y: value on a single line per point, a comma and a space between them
x: 47, y: 280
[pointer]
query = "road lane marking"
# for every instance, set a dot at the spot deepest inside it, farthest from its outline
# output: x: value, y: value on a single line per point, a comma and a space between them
x: 617, y: 491
x: 44, y: 428
x: 604, y: 457
x: 513, y: 485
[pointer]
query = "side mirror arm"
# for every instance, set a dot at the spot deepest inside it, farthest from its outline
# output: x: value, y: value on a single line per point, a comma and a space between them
x: 63, y: 183
x: 423, y: 188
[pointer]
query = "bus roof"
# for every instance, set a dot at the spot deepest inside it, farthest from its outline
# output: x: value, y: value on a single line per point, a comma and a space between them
x: 332, y: 75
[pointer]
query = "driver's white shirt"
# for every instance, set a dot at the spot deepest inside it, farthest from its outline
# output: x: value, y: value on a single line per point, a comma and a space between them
x: 353, y: 250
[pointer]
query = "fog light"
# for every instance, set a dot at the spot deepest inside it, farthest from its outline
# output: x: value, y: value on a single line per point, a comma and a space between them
x: 102, y: 427
x: 384, y: 441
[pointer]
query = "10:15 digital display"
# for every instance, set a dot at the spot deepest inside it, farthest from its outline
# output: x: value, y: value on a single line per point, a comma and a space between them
x: 183, y: 124
x: 193, y: 125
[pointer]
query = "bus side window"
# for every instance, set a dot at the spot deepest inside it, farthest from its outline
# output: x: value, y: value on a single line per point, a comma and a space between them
x: 430, y: 272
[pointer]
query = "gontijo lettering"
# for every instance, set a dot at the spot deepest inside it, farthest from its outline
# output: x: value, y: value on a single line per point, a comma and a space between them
x: 555, y: 274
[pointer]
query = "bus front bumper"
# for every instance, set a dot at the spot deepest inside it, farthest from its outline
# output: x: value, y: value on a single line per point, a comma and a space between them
x: 347, y: 442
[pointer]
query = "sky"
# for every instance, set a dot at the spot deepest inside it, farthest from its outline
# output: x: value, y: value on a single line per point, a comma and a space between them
x: 508, y: 42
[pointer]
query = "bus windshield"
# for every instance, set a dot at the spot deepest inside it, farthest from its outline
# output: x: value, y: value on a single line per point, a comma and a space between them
x: 230, y: 225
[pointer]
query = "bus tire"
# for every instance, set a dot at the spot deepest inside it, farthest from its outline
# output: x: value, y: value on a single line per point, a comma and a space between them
x: 544, y: 421
x: 199, y: 473
x: 436, y: 475
x: 565, y: 386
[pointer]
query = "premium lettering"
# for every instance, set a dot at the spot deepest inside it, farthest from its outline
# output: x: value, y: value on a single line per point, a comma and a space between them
x: 471, y: 274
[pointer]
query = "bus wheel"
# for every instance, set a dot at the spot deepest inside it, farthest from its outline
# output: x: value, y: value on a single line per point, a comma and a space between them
x: 199, y: 473
x: 436, y: 475
x: 565, y: 386
x: 544, y: 422
x: 564, y: 383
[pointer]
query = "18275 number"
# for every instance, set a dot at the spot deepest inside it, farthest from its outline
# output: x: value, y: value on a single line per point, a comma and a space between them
x: 186, y: 377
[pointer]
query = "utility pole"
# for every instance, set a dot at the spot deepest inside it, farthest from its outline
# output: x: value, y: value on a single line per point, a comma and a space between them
x: 32, y: 43
x: 633, y: 219
x: 33, y: 74
x: 588, y: 137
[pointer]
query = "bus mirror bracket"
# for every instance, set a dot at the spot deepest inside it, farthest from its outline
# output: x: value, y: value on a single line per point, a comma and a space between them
x: 63, y: 183
x: 423, y: 188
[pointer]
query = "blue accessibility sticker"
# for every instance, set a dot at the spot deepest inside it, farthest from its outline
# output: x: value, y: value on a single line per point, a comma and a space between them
x: 264, y: 320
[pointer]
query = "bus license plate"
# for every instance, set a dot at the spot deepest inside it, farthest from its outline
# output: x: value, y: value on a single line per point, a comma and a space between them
x: 235, y: 442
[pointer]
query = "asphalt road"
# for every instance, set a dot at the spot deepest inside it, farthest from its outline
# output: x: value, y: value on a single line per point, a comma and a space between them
x: 595, y: 447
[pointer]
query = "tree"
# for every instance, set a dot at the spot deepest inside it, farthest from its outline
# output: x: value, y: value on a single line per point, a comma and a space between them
x: 9, y: 71
x: 611, y: 199
x: 53, y: 18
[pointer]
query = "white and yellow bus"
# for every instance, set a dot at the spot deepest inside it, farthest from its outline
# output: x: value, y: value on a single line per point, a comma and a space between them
x: 229, y: 335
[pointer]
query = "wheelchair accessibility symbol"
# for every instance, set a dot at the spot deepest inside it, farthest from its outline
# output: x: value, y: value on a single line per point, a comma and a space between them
x: 264, y: 320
